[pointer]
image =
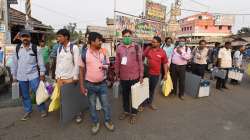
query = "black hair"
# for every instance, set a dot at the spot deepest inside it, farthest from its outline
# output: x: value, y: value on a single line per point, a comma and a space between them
x: 126, y: 31
x: 157, y: 38
x: 167, y: 38
x: 227, y: 43
x: 217, y: 44
x: 93, y: 36
x: 202, y: 41
x: 64, y: 32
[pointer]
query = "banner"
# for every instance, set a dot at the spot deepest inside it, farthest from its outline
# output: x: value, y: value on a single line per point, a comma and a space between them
x: 155, y: 11
x: 141, y: 28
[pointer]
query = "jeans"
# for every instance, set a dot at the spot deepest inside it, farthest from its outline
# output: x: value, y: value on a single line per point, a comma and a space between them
x: 153, y: 80
x: 25, y: 92
x: 126, y: 95
x: 101, y: 91
x: 178, y: 74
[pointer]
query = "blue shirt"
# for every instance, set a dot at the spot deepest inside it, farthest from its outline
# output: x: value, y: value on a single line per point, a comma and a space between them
x: 1, y: 56
x: 25, y: 68
x: 169, y: 50
x: 53, y: 53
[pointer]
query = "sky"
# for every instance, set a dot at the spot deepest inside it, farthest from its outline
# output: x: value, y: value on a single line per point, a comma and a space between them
x: 59, y: 13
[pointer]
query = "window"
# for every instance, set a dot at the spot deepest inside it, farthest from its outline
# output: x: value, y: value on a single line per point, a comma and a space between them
x: 182, y: 29
x: 206, y: 27
x: 229, y: 27
x: 220, y: 27
x: 200, y: 17
x: 185, y: 28
x: 191, y: 28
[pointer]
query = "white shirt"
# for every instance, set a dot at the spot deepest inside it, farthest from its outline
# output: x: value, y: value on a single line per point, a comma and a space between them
x: 200, y: 56
x: 226, y: 58
x: 238, y: 58
x: 66, y: 64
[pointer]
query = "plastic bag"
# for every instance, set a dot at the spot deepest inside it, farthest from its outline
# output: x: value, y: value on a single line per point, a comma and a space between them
x: 15, y: 91
x: 116, y: 86
x: 167, y: 86
x: 55, y: 103
x: 41, y: 94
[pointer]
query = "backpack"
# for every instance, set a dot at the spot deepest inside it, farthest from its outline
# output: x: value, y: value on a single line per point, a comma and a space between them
x: 71, y: 47
x: 33, y: 47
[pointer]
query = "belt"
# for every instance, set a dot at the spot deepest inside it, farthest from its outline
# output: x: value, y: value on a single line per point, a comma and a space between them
x: 95, y: 83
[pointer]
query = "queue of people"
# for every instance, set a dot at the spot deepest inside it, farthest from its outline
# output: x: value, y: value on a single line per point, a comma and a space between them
x: 89, y: 65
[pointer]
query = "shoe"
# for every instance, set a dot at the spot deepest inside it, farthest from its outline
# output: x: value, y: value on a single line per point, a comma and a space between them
x: 78, y: 119
x: 141, y: 109
x: 44, y: 114
x: 182, y: 98
x: 153, y: 107
x: 124, y: 116
x: 26, y: 116
x: 95, y: 128
x: 225, y: 87
x: 109, y: 125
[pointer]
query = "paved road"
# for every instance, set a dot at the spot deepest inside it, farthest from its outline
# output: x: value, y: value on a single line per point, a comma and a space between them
x: 222, y: 116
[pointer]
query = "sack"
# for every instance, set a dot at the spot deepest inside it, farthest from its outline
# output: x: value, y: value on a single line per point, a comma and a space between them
x: 41, y: 93
x: 248, y: 69
x: 55, y: 103
x: 140, y: 92
x: 116, y: 86
x: 167, y: 86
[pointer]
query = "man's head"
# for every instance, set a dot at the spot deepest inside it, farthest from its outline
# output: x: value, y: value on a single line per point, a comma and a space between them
x: 156, y: 42
x: 202, y: 44
x: 242, y: 48
x: 228, y: 45
x: 25, y: 37
x: 217, y: 45
x: 42, y: 43
x: 63, y: 36
x: 95, y: 40
x: 182, y: 41
x: 168, y: 41
x: 127, y: 37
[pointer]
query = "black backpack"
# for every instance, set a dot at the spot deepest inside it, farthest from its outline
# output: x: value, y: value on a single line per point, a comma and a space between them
x: 33, y: 47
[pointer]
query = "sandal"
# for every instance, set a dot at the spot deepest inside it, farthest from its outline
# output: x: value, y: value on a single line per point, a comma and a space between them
x: 141, y: 109
x: 124, y: 116
x: 132, y: 119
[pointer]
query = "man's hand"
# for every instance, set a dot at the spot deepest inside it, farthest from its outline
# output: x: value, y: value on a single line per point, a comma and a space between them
x: 42, y: 78
x: 141, y: 80
x: 83, y: 90
x: 165, y: 77
x: 15, y: 80
x: 179, y: 50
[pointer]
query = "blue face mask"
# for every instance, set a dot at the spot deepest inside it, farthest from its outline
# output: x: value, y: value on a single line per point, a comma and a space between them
x: 182, y: 44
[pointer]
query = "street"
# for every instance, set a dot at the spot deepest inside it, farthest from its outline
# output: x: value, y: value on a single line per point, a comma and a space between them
x: 222, y: 116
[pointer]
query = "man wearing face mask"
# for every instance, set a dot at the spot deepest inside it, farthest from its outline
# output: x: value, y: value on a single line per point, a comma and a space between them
x: 200, y: 59
x: 180, y: 58
x: 26, y: 62
x: 129, y: 69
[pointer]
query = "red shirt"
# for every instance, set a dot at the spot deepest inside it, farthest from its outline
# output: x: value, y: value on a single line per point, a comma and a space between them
x: 155, y: 59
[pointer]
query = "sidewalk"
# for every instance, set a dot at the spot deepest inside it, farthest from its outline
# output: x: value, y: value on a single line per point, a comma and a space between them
x: 222, y: 116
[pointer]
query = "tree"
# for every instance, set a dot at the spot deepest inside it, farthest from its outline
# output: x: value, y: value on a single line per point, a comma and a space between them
x: 72, y: 29
x: 244, y: 30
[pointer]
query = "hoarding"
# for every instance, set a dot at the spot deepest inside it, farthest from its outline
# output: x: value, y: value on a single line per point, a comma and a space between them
x: 224, y: 20
x: 155, y: 11
x: 141, y: 28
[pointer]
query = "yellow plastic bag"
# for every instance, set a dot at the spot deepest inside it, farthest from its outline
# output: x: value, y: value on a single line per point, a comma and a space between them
x: 55, y: 103
x: 167, y: 86
x: 248, y: 69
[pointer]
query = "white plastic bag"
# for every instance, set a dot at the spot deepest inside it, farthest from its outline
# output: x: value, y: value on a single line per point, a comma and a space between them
x: 140, y: 92
x: 116, y: 89
x: 41, y: 93
x: 15, y: 90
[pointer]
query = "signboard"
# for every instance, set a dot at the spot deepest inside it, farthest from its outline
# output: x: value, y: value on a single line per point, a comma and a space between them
x: 12, y: 2
x: 141, y: 28
x: 9, y: 52
x: 2, y: 28
x: 224, y: 20
x: 155, y: 11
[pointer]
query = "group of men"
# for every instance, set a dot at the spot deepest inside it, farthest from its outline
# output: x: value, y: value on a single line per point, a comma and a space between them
x: 88, y: 66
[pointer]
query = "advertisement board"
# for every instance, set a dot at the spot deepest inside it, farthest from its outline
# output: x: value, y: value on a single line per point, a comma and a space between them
x: 155, y: 11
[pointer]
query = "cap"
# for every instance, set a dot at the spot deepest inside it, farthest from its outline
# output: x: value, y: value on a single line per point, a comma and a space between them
x: 25, y: 32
